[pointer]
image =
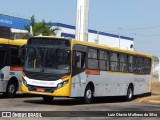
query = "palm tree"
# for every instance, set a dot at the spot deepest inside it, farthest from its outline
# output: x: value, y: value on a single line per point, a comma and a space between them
x: 40, y: 28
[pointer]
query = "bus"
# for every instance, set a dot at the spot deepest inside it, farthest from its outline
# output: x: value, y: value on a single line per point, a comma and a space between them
x: 10, y: 66
x: 61, y: 67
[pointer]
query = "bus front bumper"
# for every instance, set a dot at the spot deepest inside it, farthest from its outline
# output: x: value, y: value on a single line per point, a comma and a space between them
x: 61, y: 92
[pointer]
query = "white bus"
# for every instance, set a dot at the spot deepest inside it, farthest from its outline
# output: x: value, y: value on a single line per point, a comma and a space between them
x: 70, y: 68
x: 10, y: 66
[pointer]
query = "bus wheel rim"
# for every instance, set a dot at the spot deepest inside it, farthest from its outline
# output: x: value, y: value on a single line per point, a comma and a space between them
x: 11, y: 89
x: 89, y: 94
x: 130, y: 93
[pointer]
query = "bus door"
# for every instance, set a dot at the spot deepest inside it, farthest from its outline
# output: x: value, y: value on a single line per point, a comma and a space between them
x: 78, y: 70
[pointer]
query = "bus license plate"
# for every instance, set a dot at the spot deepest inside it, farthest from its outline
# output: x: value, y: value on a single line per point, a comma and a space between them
x: 40, y: 89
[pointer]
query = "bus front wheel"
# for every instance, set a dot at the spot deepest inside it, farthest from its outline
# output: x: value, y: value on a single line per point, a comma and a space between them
x: 88, y: 96
x: 48, y: 99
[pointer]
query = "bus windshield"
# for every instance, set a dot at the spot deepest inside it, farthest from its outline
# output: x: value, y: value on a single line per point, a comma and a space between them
x: 51, y: 59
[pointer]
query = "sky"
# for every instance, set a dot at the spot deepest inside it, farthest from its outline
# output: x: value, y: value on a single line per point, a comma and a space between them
x: 139, y: 19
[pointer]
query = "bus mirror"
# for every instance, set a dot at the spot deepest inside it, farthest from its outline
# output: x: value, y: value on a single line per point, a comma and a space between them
x: 21, y: 53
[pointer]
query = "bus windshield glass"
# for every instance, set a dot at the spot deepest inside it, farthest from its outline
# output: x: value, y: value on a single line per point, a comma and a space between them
x: 48, y: 59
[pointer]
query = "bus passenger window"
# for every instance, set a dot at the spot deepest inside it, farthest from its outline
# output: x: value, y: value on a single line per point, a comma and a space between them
x: 130, y: 63
x: 2, y: 60
x: 123, y: 63
x: 114, y: 58
x: 79, y: 59
x: 93, y: 59
x: 103, y: 60
x: 140, y: 65
x: 147, y: 63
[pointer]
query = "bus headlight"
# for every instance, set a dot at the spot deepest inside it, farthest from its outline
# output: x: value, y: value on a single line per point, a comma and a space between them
x: 62, y: 84
x: 24, y: 81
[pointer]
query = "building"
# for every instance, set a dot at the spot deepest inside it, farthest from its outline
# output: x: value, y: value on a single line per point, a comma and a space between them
x: 97, y: 36
x: 14, y: 28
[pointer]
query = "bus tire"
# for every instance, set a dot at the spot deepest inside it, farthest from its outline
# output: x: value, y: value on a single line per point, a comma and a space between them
x: 11, y: 89
x: 129, y: 96
x: 88, y: 95
x: 48, y: 99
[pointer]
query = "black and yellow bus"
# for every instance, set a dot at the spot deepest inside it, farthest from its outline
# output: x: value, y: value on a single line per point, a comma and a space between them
x: 70, y: 68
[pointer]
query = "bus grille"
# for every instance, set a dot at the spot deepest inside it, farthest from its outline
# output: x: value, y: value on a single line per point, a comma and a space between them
x: 46, y: 89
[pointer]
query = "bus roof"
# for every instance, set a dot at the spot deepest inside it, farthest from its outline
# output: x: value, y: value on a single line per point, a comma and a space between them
x: 48, y: 37
x: 111, y: 48
x: 101, y: 46
x: 17, y: 42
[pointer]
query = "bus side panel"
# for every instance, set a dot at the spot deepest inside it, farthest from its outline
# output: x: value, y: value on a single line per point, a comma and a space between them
x: 16, y: 71
x: 7, y: 73
x: 105, y: 84
x: 141, y: 84
x: 78, y: 85
x: 111, y: 83
x: 5, y: 76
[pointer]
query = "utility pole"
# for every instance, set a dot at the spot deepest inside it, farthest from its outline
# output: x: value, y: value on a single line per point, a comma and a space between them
x: 82, y: 20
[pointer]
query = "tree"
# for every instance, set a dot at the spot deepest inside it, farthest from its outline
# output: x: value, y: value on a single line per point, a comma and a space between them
x: 40, y: 28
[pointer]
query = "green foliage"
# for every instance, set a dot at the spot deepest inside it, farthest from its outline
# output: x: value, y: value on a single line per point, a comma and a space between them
x: 40, y: 28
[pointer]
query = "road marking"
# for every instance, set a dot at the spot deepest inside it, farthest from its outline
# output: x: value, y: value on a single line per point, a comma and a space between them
x: 142, y: 100
x: 145, y: 99
x: 154, y: 101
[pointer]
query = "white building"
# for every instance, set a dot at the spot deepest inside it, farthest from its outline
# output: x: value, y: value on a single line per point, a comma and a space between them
x: 14, y: 28
x: 97, y: 36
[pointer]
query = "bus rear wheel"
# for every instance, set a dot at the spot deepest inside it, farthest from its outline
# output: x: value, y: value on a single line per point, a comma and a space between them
x: 48, y: 99
x: 88, y: 96
x: 129, y: 96
x: 11, y: 90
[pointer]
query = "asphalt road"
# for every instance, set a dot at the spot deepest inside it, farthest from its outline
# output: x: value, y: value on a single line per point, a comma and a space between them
x: 33, y: 103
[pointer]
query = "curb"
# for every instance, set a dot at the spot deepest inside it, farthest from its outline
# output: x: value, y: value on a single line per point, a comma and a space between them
x: 149, y: 99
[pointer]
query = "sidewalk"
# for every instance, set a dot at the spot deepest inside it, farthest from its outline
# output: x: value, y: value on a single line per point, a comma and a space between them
x: 155, y: 94
x: 150, y: 99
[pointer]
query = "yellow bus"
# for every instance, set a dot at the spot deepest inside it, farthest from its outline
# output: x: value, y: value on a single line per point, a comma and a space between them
x: 71, y: 68
x: 10, y: 66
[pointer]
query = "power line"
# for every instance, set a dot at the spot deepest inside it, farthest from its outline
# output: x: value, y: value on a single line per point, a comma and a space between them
x: 136, y: 29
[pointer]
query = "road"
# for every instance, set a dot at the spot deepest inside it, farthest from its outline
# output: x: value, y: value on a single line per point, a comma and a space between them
x: 34, y: 103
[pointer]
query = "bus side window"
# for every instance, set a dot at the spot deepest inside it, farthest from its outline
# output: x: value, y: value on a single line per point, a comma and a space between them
x: 79, y: 59
x: 130, y: 63
x: 2, y: 59
x: 114, y: 59
x: 93, y: 59
x: 147, y: 63
x: 15, y: 61
x: 140, y: 65
x: 103, y: 60
x: 123, y: 63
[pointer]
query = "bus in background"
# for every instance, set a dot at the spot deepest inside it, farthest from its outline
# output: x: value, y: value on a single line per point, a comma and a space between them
x: 70, y: 68
x: 10, y: 66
